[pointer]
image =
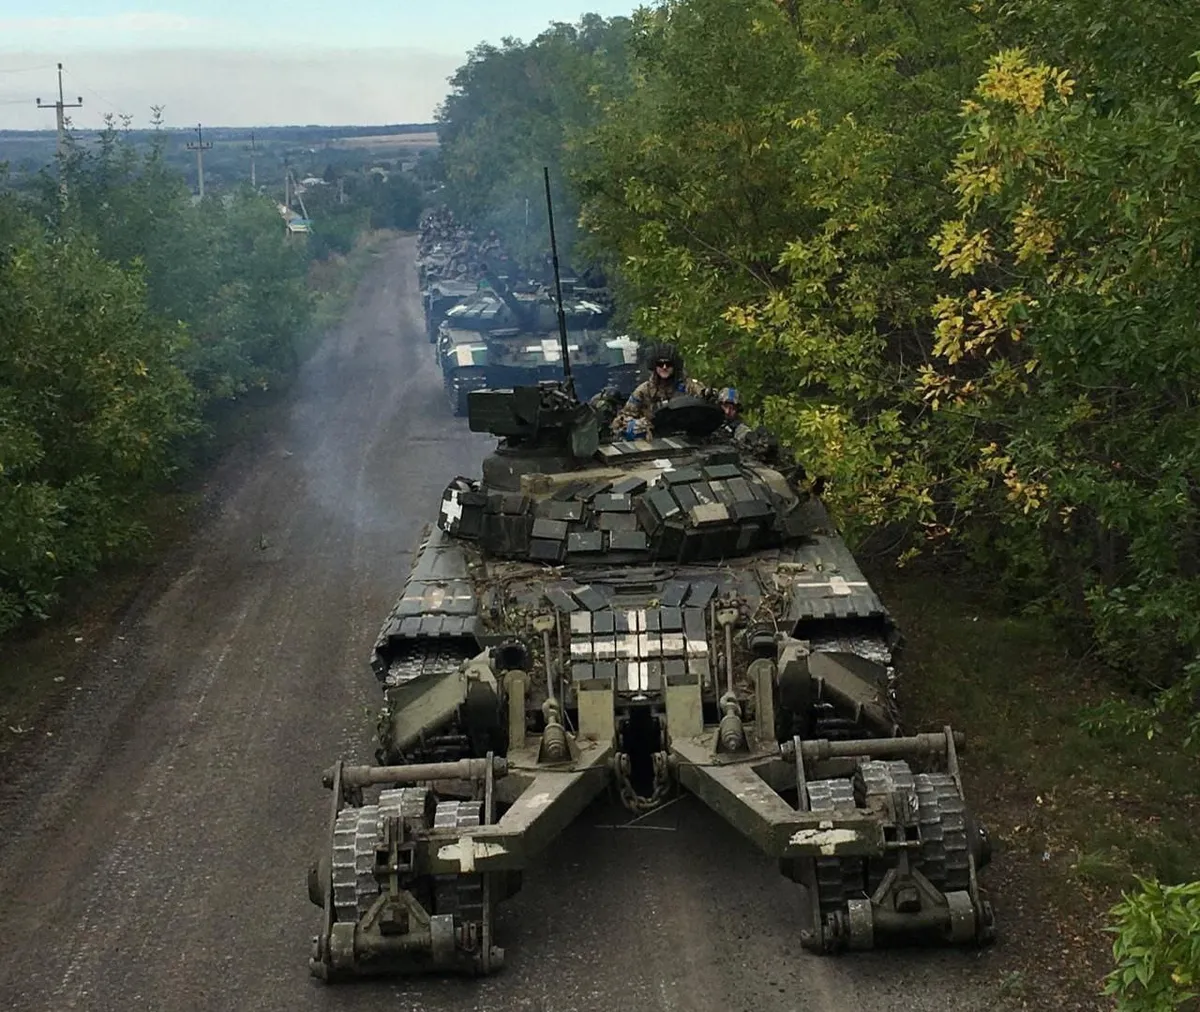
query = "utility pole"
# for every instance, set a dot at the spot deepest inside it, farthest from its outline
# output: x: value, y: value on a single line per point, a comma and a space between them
x: 253, y: 154
x: 58, y: 108
x: 61, y: 120
x: 200, y: 147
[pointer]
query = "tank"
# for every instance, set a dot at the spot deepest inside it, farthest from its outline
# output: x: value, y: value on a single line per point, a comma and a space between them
x: 669, y: 614
x: 504, y: 336
x: 439, y: 297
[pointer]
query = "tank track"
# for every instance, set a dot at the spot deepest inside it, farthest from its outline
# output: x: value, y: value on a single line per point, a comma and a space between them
x: 838, y: 879
x: 944, y: 841
x: 431, y: 658
x: 425, y: 657
x: 941, y: 814
x: 460, y: 895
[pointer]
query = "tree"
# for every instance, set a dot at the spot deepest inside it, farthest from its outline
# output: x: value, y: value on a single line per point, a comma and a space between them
x: 510, y: 112
x: 92, y: 408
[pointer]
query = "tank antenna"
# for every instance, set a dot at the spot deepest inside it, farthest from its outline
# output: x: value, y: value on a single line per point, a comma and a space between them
x: 562, y: 317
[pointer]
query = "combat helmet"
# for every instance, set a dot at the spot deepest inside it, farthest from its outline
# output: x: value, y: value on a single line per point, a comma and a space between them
x: 664, y: 350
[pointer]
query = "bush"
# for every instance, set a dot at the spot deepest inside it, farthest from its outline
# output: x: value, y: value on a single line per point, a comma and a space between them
x: 1157, y: 948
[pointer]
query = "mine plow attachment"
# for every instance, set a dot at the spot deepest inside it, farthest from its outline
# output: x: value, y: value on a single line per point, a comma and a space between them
x: 410, y: 882
x: 884, y: 853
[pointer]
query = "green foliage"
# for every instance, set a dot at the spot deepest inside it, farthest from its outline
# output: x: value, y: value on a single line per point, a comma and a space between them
x: 395, y: 201
x: 1073, y: 336
x: 775, y: 225
x: 1157, y: 948
x: 128, y: 315
x: 510, y: 112
x: 93, y: 405
x: 222, y: 267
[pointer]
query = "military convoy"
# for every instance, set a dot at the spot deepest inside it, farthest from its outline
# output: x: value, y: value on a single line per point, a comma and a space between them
x: 666, y: 614
x: 493, y: 329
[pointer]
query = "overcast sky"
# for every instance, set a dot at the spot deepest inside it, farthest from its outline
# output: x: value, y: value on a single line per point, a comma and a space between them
x: 253, y: 62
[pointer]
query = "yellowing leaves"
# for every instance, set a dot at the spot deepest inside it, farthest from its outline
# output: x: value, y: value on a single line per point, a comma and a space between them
x: 974, y: 181
x: 962, y: 252
x: 1012, y: 80
x: 1034, y: 235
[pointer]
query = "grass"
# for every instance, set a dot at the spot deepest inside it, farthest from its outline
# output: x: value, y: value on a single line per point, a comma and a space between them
x: 335, y: 281
x: 1074, y: 816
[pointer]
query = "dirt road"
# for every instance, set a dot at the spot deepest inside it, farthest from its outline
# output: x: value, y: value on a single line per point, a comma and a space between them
x: 153, y: 851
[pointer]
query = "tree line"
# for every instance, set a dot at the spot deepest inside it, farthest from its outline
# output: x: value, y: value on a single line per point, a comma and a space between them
x: 131, y: 317
x: 948, y: 251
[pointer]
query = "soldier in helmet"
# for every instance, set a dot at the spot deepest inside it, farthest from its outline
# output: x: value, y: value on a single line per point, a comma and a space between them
x: 667, y: 380
x: 731, y: 404
x: 607, y: 403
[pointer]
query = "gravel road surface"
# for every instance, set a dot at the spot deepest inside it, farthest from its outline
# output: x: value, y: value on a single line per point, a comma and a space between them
x: 153, y: 851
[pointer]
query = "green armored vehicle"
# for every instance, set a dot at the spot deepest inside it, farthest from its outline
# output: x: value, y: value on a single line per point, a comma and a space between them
x: 658, y: 615
x: 439, y: 297
x: 500, y: 337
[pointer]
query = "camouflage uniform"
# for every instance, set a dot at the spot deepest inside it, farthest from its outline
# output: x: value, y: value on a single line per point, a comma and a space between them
x: 732, y: 428
x: 633, y: 420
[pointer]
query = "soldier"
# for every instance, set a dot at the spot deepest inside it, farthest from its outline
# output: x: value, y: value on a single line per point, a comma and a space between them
x: 667, y: 380
x: 731, y: 404
x: 606, y: 404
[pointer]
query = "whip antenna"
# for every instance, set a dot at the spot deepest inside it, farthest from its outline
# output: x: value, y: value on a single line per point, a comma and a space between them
x: 562, y: 317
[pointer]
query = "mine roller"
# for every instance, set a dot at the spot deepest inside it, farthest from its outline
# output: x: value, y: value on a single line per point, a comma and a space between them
x: 662, y: 614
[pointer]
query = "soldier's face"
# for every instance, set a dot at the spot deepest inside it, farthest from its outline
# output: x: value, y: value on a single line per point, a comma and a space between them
x: 730, y: 410
x: 664, y: 369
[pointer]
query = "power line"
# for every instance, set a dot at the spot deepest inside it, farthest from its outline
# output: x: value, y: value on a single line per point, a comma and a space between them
x: 95, y: 94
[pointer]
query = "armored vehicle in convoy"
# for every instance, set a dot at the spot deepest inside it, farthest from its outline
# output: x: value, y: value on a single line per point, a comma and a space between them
x: 504, y: 336
x: 439, y: 297
x: 660, y: 615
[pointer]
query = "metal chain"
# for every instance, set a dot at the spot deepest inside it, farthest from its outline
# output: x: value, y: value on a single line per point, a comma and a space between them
x: 634, y: 802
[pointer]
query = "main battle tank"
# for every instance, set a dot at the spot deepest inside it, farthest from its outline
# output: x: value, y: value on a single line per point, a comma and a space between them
x: 439, y: 297
x: 658, y: 615
x: 500, y: 337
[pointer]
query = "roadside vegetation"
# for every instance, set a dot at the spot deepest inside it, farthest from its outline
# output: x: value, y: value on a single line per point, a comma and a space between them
x: 136, y: 326
x: 948, y: 253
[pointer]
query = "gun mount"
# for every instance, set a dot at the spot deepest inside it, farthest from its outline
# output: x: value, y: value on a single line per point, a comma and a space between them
x: 656, y: 615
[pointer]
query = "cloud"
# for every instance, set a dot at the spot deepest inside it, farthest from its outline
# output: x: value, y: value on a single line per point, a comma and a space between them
x: 128, y: 21
x: 241, y: 88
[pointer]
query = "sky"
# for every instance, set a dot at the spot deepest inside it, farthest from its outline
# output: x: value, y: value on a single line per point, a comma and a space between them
x: 254, y: 62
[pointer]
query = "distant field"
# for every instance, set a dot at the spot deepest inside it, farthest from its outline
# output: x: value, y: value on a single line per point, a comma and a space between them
x: 423, y: 140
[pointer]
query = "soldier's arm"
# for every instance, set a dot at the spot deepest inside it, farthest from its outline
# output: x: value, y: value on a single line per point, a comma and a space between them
x: 634, y: 409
